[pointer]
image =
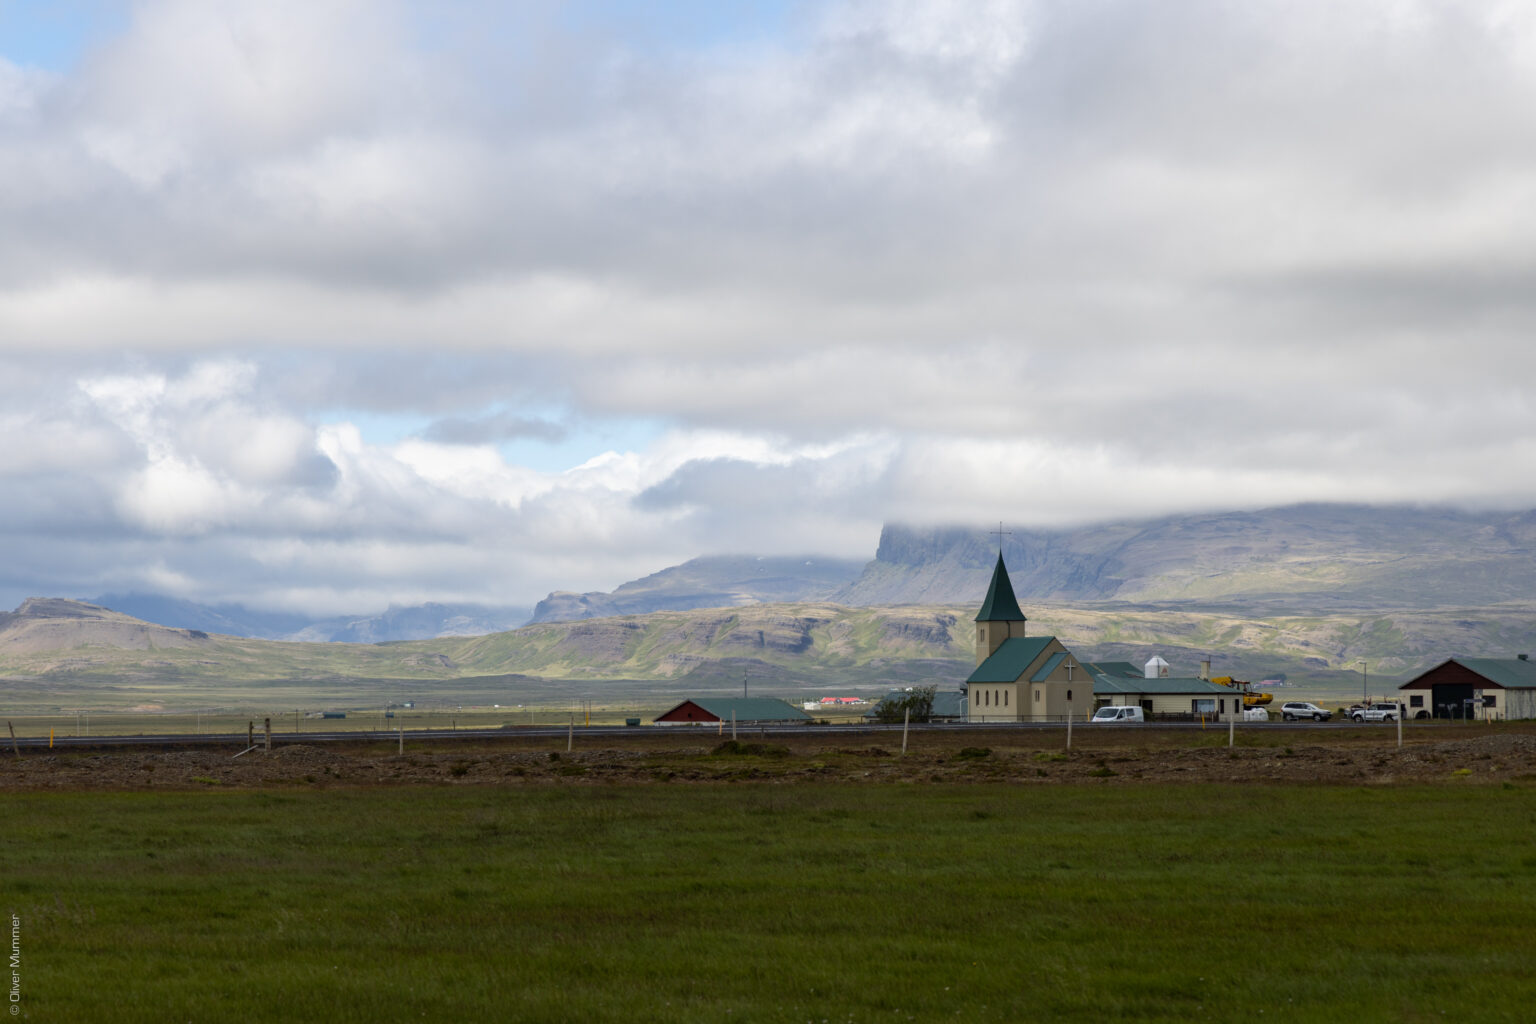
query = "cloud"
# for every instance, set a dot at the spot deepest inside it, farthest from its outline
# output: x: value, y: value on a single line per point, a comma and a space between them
x: 1035, y: 259
x: 492, y: 428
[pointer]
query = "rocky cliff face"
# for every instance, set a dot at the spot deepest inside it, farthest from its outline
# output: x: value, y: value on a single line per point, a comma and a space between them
x: 1306, y: 556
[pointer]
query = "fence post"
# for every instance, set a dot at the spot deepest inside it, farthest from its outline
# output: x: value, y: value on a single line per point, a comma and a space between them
x: 269, y: 735
x: 906, y: 720
x: 14, y: 747
x: 250, y: 733
x: 1069, y: 729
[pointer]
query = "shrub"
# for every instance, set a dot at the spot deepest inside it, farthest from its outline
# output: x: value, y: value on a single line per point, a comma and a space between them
x: 917, y: 701
x: 737, y: 748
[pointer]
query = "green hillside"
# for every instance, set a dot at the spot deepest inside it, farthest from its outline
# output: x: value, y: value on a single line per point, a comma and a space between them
x: 60, y: 655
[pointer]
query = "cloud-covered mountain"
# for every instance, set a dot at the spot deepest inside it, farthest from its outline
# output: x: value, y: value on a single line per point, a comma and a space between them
x: 1302, y: 557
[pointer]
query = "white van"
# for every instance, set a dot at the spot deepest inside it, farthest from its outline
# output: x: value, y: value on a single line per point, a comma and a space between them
x: 1119, y: 713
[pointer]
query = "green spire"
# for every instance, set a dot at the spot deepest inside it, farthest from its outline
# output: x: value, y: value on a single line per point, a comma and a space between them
x: 1000, y: 605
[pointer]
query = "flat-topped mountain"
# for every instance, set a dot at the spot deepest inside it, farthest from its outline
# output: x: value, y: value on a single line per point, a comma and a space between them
x: 1303, y: 557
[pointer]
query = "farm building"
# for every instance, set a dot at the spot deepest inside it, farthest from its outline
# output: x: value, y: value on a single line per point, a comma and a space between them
x: 1020, y: 678
x: 1474, y: 688
x: 741, y: 710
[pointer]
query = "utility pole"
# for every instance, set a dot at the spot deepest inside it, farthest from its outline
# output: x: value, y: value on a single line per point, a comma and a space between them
x: 1365, y: 685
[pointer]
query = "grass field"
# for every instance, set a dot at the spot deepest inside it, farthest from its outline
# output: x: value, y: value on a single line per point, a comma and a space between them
x: 814, y: 902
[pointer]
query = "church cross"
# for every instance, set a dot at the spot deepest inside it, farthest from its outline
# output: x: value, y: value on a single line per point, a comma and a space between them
x: 1001, y: 533
x: 1070, y: 667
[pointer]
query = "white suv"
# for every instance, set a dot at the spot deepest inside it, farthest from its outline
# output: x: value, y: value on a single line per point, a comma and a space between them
x: 1292, y: 710
x: 1376, y: 713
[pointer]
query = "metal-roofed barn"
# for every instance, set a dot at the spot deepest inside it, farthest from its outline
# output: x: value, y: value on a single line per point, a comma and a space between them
x: 741, y: 710
x: 1474, y: 688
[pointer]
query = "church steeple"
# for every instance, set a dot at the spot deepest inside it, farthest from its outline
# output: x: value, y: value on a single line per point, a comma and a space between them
x: 999, y: 612
x: 1000, y: 605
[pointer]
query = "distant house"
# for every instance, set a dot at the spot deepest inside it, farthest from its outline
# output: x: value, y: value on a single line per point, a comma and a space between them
x: 1474, y: 688
x: 1153, y: 690
x: 741, y: 710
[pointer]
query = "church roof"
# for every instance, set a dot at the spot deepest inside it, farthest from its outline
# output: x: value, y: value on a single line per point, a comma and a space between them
x: 1043, y: 673
x: 1000, y: 605
x: 1012, y: 657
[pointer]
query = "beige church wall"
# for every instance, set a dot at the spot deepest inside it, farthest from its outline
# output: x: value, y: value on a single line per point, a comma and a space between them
x: 993, y: 702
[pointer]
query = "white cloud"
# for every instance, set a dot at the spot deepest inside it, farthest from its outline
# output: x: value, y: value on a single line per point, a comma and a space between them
x: 1040, y: 260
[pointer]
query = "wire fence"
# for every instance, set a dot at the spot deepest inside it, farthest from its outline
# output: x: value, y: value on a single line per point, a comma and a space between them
x: 216, y: 721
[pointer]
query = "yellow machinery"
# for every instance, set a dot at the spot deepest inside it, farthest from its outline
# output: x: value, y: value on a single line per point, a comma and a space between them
x: 1251, y: 698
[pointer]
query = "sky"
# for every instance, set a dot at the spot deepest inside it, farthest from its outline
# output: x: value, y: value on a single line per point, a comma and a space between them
x: 326, y: 306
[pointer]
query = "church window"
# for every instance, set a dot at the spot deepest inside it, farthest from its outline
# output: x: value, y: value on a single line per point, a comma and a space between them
x: 1005, y: 698
x: 1069, y: 695
x: 1037, y: 696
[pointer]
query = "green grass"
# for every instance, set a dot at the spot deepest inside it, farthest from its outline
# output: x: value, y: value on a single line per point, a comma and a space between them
x: 770, y: 903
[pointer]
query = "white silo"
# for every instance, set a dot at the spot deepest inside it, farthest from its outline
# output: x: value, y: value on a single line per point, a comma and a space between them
x: 1157, y: 668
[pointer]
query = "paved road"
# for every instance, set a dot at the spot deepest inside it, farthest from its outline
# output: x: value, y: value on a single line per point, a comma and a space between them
x: 238, y: 740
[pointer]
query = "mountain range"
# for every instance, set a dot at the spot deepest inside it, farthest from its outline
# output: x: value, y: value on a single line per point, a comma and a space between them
x: 1315, y: 592
x: 1302, y: 558
x: 416, y: 622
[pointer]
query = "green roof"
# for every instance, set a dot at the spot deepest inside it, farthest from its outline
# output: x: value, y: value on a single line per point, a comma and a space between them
x: 1507, y: 672
x: 1117, y: 669
x: 1000, y: 605
x: 1011, y: 659
x: 749, y: 709
x: 1109, y: 684
x: 1048, y: 667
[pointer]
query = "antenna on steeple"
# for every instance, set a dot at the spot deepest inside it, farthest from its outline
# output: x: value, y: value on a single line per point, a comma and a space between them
x: 1001, y: 533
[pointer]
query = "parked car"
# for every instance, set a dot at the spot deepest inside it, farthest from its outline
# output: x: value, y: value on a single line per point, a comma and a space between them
x: 1255, y: 715
x: 1119, y: 713
x: 1375, y: 713
x: 1294, y: 709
